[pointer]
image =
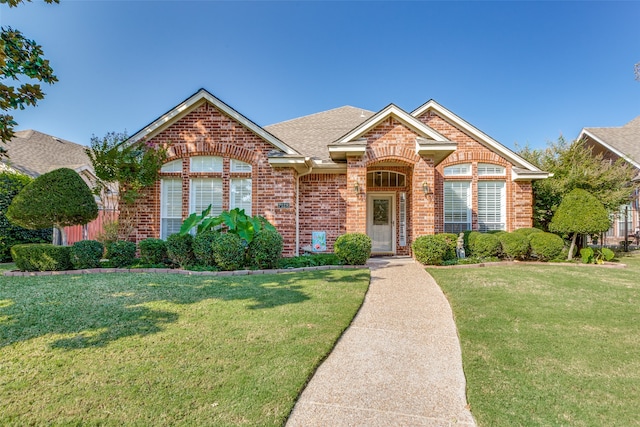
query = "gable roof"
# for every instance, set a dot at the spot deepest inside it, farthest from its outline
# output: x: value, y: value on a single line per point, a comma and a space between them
x: 624, y: 141
x: 196, y: 100
x: 34, y: 153
x: 311, y: 134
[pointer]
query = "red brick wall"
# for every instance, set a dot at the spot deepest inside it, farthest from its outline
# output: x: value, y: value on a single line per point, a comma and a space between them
x: 207, y: 131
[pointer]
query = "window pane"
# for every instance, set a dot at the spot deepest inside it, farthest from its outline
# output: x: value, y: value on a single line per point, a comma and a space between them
x: 240, y: 194
x: 490, y: 169
x: 457, y: 206
x: 491, y: 205
x: 205, y: 192
x: 174, y: 166
x: 170, y: 207
x: 458, y: 170
x: 385, y: 179
x: 206, y: 164
x: 238, y: 166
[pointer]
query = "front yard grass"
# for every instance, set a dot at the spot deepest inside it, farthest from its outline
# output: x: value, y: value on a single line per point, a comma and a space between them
x: 160, y: 349
x: 549, y: 345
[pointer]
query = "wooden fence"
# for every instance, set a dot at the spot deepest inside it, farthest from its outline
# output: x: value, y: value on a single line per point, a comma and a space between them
x: 77, y: 233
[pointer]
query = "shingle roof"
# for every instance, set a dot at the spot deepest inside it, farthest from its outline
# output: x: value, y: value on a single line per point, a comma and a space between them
x: 625, y: 139
x: 311, y: 134
x: 35, y: 153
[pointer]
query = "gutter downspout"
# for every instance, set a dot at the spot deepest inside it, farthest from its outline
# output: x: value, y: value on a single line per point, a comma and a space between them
x: 308, y: 163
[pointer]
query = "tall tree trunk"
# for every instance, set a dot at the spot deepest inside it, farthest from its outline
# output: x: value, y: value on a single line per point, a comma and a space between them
x: 62, y: 234
x: 572, y: 247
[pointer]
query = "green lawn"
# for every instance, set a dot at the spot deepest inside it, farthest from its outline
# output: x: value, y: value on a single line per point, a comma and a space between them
x: 159, y: 349
x: 550, y: 344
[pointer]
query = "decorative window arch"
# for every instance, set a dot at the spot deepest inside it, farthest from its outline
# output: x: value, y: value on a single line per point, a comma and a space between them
x: 386, y: 179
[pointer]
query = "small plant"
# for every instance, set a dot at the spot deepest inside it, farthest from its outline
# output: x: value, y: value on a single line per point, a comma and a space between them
x: 353, y: 248
x: 430, y: 249
x: 153, y: 251
x: 86, y: 254
x: 514, y: 245
x: 228, y: 251
x: 121, y: 253
x: 109, y: 233
x: 265, y: 249
x: 587, y: 255
x: 545, y: 246
x: 597, y: 256
x: 235, y: 220
x: 607, y: 254
x: 485, y: 245
x: 312, y: 260
x: 41, y: 257
x: 202, y: 248
x: 180, y: 249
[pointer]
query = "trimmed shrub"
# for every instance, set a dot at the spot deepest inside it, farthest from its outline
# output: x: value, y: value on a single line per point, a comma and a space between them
x: 153, y: 251
x: 514, y: 245
x: 312, y: 260
x: 430, y: 249
x: 473, y: 235
x: 41, y: 257
x: 527, y: 231
x: 121, y: 253
x: 86, y: 254
x: 485, y: 245
x: 202, y: 248
x: 180, y: 250
x: 353, y: 248
x: 265, y: 249
x: 545, y: 246
x: 451, y: 241
x: 228, y: 251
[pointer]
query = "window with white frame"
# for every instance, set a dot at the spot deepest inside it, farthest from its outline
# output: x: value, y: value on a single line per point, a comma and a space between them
x: 491, y: 205
x: 457, y: 206
x: 240, y: 194
x: 238, y: 166
x: 206, y: 164
x: 458, y: 170
x: 489, y: 169
x: 170, y: 206
x: 205, y: 192
x: 173, y: 166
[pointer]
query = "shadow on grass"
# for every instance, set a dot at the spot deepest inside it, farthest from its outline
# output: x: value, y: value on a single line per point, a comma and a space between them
x: 103, y: 308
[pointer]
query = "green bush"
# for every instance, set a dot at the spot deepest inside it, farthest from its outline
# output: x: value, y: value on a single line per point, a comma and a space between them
x: 353, y: 248
x: 153, y: 251
x: 472, y: 236
x: 202, y: 248
x: 10, y: 185
x: 545, y: 246
x: 228, y: 251
x: 514, y: 245
x: 311, y: 260
x: 587, y: 255
x: 607, y: 254
x: 451, y: 240
x: 527, y: 231
x: 121, y: 253
x: 180, y: 250
x: 485, y: 245
x: 41, y: 257
x: 86, y: 254
x: 265, y: 249
x: 430, y: 249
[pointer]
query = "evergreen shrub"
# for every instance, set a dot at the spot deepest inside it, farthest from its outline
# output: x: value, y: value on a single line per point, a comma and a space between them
x: 86, y: 254
x: 485, y: 245
x: 265, y: 249
x: 353, y: 248
x: 545, y: 246
x: 180, y: 250
x: 203, y: 249
x: 514, y: 245
x: 430, y: 249
x: 153, y: 251
x: 121, y: 253
x: 228, y: 251
x: 41, y: 257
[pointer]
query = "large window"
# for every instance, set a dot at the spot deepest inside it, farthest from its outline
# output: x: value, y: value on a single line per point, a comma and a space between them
x: 210, y: 183
x: 457, y: 206
x: 491, y: 205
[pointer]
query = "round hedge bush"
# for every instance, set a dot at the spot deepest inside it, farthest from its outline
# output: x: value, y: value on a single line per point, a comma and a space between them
x: 86, y: 254
x: 202, y: 248
x: 484, y: 245
x: 153, y: 251
x: 451, y: 241
x: 545, y: 246
x: 527, y: 231
x: 353, y: 248
x: 41, y: 257
x: 121, y: 253
x: 430, y: 249
x: 265, y: 249
x: 514, y: 245
x: 471, y: 238
x: 228, y: 251
x: 180, y: 249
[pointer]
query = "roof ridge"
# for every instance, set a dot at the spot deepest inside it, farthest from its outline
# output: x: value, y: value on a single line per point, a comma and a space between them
x: 320, y: 112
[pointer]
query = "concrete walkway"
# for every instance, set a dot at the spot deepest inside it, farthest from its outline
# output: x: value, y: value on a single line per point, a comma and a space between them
x: 398, y: 364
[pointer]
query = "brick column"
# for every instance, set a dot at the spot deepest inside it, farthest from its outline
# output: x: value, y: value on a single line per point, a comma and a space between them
x: 356, y: 202
x: 422, y: 206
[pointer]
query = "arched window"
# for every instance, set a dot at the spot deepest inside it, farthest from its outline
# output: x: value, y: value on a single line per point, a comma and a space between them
x: 174, y: 166
x: 385, y: 179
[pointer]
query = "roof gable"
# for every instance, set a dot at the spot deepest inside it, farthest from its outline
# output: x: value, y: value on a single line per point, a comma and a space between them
x: 475, y: 133
x: 192, y: 103
x: 623, y: 141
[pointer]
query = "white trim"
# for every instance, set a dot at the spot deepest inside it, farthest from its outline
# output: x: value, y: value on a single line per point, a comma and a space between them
x: 193, y: 101
x: 485, y: 139
x: 608, y: 147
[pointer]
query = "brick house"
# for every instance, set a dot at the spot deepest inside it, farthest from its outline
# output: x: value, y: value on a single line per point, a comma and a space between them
x: 391, y: 174
x: 615, y: 143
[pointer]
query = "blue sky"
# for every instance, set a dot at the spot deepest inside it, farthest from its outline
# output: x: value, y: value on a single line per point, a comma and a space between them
x: 522, y: 72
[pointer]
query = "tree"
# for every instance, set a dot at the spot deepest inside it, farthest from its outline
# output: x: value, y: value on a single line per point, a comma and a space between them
x: 20, y: 58
x: 574, y: 165
x: 59, y: 198
x: 132, y: 167
x: 10, y: 185
x: 580, y: 212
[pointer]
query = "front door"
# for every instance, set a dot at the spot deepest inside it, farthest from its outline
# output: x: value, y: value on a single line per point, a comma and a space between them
x: 380, y: 222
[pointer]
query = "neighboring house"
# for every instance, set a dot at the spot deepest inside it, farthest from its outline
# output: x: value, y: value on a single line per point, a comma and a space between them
x: 614, y: 143
x: 34, y: 153
x: 392, y: 174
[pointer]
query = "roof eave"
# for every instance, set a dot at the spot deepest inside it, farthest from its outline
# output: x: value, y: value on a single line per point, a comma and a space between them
x: 594, y: 137
x: 437, y: 150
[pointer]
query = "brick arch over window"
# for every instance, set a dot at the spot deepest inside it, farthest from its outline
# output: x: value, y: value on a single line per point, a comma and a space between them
x: 221, y: 149
x: 384, y: 153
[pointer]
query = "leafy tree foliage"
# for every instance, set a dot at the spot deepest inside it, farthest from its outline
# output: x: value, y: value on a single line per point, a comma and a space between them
x: 574, y: 165
x: 10, y: 235
x: 579, y: 213
x: 20, y: 58
x: 59, y: 198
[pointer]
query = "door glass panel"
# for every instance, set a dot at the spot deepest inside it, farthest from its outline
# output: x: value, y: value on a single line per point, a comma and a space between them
x: 380, y: 212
